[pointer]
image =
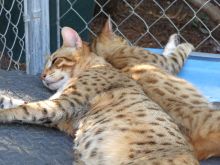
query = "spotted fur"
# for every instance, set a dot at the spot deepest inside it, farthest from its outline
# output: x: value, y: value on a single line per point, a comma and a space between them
x: 116, y: 122
x: 177, y: 97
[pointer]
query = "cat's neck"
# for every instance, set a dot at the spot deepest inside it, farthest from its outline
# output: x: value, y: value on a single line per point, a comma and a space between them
x: 114, y: 50
x: 97, y: 61
x: 91, y: 60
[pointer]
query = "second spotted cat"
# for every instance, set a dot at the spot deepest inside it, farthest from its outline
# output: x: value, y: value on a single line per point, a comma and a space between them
x: 191, y: 111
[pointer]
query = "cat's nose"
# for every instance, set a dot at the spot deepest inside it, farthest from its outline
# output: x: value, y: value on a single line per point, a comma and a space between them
x: 43, y: 75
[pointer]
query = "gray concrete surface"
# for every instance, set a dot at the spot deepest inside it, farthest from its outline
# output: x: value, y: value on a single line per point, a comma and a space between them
x: 35, y: 145
x: 28, y: 144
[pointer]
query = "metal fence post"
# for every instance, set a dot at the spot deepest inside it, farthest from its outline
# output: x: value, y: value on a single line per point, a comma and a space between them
x: 37, y: 34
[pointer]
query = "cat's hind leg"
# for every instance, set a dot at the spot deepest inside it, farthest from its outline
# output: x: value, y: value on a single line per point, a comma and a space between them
x: 171, y: 45
x: 177, y: 58
x: 176, y: 53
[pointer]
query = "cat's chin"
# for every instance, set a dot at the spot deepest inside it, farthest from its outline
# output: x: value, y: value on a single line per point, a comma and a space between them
x: 56, y: 84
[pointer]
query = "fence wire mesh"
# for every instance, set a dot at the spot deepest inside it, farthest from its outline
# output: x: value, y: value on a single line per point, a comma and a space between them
x: 148, y: 23
x: 11, y: 35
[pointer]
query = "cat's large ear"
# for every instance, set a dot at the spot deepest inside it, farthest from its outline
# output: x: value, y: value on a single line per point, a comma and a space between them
x: 71, y: 38
x: 107, y: 28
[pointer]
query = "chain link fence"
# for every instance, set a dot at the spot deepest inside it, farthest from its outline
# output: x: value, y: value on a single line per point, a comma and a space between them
x: 12, y: 55
x: 148, y: 23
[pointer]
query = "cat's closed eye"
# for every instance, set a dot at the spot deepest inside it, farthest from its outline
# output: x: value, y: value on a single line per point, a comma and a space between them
x: 54, y: 60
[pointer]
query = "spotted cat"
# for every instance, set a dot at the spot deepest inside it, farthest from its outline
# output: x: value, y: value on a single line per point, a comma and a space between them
x: 116, y: 122
x: 176, y: 96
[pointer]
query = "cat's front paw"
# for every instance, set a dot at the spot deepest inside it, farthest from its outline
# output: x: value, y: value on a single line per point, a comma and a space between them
x: 8, y: 102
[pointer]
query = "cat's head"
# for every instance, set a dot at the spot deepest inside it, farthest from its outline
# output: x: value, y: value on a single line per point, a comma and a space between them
x: 66, y: 61
x: 107, y: 40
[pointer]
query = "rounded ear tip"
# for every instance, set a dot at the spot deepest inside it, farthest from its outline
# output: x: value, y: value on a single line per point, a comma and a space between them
x: 109, y: 17
x: 70, y: 37
x: 66, y: 28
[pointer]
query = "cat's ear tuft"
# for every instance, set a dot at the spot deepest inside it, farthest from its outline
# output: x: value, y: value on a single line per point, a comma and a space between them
x: 71, y: 38
x: 107, y: 28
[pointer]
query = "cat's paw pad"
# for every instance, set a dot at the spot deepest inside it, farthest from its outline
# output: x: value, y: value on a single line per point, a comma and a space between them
x: 3, y: 101
x: 8, y: 102
x: 174, y: 39
x: 173, y: 42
